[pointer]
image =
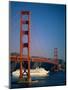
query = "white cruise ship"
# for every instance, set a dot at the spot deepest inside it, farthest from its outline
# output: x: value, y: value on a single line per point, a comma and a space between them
x: 33, y: 72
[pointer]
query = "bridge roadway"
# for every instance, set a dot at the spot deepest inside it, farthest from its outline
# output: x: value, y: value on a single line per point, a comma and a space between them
x: 33, y: 59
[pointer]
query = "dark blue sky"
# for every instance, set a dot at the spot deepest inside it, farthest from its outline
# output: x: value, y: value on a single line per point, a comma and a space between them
x: 47, y: 28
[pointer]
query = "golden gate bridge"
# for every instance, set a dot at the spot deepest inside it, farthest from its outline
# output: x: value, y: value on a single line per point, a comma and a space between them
x: 21, y: 58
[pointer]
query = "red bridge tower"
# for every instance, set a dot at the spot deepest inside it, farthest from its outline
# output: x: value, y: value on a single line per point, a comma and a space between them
x: 56, y: 59
x: 56, y: 55
x: 22, y: 44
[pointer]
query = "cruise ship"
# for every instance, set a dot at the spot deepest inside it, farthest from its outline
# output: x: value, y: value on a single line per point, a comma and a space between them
x: 33, y: 72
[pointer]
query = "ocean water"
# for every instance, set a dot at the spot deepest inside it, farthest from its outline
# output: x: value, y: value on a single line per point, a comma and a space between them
x: 53, y: 79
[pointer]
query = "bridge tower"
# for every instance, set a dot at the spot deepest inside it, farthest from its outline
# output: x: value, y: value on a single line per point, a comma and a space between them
x: 23, y: 45
x: 56, y: 55
x: 56, y: 59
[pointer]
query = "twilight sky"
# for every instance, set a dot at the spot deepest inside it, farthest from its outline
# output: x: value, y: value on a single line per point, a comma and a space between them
x: 47, y: 28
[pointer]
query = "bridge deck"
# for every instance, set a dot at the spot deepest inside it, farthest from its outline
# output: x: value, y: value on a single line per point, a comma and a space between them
x: 33, y: 59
